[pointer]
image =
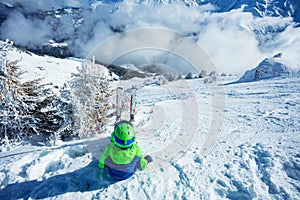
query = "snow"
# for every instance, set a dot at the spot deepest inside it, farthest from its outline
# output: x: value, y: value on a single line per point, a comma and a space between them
x: 55, y: 44
x: 255, y: 154
x: 52, y: 69
x: 208, y: 141
x: 268, y: 68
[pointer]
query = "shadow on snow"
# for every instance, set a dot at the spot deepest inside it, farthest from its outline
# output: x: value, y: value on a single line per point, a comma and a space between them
x: 89, y: 178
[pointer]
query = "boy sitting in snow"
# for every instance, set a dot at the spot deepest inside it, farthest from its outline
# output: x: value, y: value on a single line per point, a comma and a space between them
x: 122, y: 157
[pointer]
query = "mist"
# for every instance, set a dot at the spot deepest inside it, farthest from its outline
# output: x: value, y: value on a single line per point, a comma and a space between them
x: 228, y: 38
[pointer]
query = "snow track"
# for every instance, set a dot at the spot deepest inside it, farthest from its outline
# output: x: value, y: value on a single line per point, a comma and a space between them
x: 256, y: 155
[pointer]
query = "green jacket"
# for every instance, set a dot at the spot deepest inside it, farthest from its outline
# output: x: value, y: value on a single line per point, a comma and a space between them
x: 122, y: 163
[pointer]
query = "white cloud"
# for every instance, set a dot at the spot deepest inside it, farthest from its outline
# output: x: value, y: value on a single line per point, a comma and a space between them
x: 288, y: 43
x: 229, y: 42
x: 26, y: 31
x: 228, y: 38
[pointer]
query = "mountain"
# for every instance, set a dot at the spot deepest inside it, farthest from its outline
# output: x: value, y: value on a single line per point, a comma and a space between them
x: 260, y: 8
x: 74, y: 28
x: 268, y: 68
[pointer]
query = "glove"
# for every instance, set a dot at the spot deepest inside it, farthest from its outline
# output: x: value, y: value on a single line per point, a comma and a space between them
x: 148, y: 158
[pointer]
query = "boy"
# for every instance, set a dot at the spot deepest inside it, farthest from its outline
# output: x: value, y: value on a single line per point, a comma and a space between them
x: 122, y: 157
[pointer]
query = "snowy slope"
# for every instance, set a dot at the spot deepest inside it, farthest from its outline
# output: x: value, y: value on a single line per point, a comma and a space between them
x: 255, y: 154
x: 222, y: 28
x: 52, y: 69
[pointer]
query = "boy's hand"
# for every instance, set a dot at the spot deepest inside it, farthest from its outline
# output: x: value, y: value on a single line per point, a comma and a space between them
x: 148, y: 158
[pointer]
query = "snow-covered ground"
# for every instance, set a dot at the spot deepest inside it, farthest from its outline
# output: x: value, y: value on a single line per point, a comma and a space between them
x: 250, y: 152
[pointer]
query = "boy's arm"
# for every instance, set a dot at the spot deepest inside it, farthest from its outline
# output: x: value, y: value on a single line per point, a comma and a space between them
x: 143, y: 162
x: 103, y: 157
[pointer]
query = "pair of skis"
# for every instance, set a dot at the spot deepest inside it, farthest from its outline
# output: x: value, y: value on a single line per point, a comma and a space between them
x: 119, y: 94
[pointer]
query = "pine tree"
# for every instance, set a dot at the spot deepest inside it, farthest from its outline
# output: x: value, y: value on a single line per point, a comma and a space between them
x: 90, y: 91
x: 211, y: 78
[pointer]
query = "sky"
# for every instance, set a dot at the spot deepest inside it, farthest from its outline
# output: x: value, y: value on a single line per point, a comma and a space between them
x: 234, y: 41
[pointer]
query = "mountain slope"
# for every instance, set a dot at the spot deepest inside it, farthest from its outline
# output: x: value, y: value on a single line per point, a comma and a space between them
x: 255, y: 156
x: 261, y: 8
x: 208, y: 141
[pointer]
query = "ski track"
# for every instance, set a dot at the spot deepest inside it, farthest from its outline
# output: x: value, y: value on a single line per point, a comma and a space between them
x: 256, y: 156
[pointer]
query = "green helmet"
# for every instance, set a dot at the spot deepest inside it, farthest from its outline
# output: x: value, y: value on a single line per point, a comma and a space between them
x: 123, y: 135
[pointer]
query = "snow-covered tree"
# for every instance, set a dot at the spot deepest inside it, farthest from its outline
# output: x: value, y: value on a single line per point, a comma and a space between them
x: 26, y: 108
x: 64, y: 106
x: 172, y: 76
x: 203, y: 73
x: 90, y: 91
x: 189, y: 76
x: 211, y: 78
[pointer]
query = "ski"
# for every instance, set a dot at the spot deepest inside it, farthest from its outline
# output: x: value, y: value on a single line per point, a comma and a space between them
x: 132, y: 103
x: 119, y: 93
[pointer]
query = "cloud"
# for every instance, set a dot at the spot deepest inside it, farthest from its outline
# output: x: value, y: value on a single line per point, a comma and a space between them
x: 232, y: 46
x: 288, y: 43
x: 26, y: 31
x: 228, y: 38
